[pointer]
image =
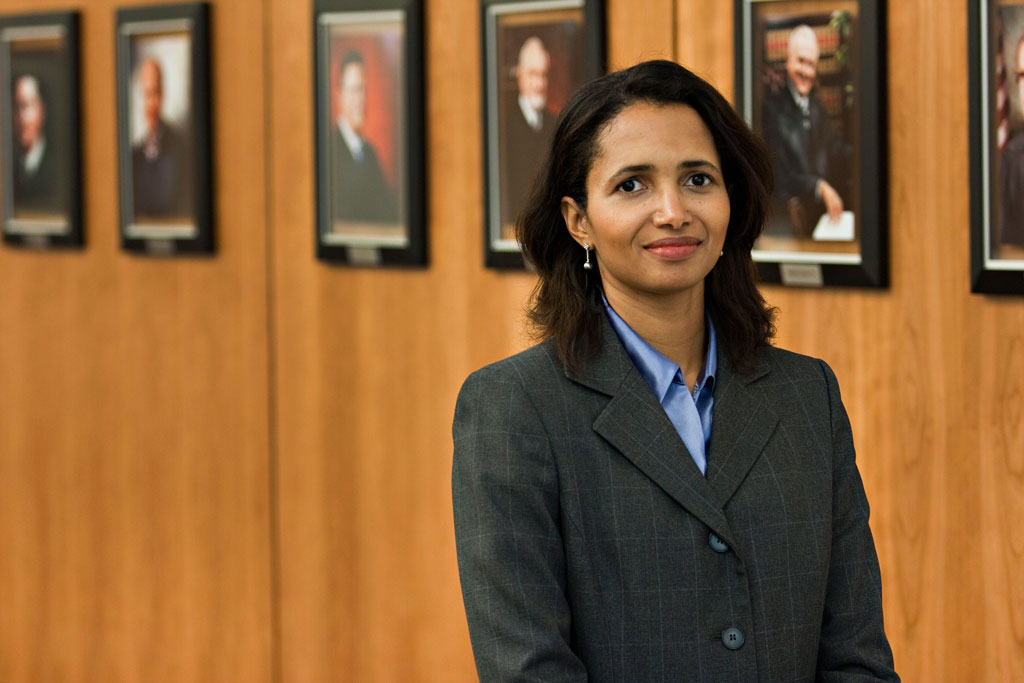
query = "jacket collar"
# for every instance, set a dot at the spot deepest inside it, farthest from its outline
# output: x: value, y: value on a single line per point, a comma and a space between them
x: 634, y: 422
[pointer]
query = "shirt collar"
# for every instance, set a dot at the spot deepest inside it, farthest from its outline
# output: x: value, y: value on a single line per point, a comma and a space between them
x: 531, y: 115
x: 352, y: 139
x: 34, y: 157
x: 658, y: 370
x: 803, y: 101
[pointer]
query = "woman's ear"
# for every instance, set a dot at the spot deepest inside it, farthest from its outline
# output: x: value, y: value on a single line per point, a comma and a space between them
x: 575, y: 221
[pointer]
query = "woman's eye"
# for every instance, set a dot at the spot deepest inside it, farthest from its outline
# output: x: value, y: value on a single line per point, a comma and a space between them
x: 630, y: 185
x: 700, y: 180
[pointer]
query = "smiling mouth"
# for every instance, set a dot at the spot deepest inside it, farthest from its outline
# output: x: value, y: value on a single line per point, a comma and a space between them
x: 674, y: 248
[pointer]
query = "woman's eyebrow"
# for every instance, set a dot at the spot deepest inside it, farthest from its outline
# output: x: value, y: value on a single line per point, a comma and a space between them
x: 688, y: 163
x: 697, y: 163
x: 636, y: 168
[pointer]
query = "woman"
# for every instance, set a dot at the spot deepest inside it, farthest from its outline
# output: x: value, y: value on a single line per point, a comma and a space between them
x: 654, y: 492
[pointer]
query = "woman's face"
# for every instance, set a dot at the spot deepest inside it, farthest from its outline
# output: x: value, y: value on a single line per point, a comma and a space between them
x: 657, y: 206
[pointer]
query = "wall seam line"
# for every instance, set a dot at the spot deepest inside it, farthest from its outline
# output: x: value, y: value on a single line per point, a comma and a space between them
x: 675, y: 32
x: 273, y: 496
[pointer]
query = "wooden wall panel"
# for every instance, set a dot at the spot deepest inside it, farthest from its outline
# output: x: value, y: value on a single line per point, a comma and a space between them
x: 134, y: 507
x: 156, y: 411
x: 637, y: 33
x: 704, y: 39
x: 368, y: 367
x: 931, y: 375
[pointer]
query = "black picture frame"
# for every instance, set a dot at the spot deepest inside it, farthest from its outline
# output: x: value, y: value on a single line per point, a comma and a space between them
x: 40, y: 105
x: 164, y: 134
x: 571, y: 33
x: 370, y: 128
x: 843, y: 140
x: 995, y: 39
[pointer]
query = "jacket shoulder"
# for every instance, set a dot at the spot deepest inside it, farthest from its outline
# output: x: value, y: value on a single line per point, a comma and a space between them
x: 535, y: 364
x: 789, y: 367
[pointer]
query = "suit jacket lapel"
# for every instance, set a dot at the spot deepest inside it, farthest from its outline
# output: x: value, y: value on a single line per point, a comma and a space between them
x: 635, y: 423
x: 742, y: 423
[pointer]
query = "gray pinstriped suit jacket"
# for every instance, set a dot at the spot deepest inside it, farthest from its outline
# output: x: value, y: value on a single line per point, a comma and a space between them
x: 583, y: 526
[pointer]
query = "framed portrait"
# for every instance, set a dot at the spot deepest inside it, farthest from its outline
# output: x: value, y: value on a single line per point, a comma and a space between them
x: 536, y: 53
x: 41, y: 151
x: 163, y: 112
x: 996, y: 63
x: 370, y: 179
x: 810, y: 78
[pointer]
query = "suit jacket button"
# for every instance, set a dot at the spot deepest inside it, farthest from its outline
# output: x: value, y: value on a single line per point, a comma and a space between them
x: 717, y: 544
x: 732, y: 638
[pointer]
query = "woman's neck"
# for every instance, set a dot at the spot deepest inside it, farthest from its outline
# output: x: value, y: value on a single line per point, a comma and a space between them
x: 672, y: 324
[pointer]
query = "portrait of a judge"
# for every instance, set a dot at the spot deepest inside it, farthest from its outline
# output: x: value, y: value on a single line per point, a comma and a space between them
x: 39, y: 184
x: 360, y: 192
x: 539, y: 62
x: 812, y: 162
x: 1011, y: 159
x: 160, y: 156
x: 529, y: 124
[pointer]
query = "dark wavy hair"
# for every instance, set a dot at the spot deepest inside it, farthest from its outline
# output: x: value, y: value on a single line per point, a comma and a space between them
x: 566, y: 303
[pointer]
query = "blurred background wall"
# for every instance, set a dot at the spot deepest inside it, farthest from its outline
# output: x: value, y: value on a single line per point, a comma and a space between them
x: 237, y: 468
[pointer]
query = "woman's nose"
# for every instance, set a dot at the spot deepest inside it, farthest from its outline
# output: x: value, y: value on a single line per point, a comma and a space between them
x: 671, y: 210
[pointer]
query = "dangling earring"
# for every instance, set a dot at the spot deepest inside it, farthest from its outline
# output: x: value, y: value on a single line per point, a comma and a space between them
x: 586, y: 264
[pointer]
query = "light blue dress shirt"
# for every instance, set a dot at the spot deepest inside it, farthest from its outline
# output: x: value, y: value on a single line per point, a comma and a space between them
x: 689, y: 413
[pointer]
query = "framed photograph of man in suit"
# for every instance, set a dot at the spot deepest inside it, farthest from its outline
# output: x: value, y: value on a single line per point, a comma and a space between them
x: 41, y: 160
x: 536, y: 53
x: 163, y: 93
x: 370, y: 181
x: 996, y: 84
x: 811, y: 80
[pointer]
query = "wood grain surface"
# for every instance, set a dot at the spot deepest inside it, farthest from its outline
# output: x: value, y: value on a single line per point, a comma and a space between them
x: 238, y: 468
x: 134, y: 509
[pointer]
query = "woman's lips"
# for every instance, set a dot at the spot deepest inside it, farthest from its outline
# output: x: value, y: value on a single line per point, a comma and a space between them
x: 673, y: 248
